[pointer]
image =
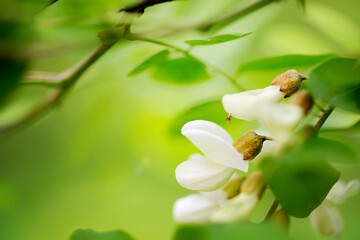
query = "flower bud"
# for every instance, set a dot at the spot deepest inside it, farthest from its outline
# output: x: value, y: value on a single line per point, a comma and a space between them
x: 289, y: 82
x: 254, y: 183
x: 249, y: 145
x: 281, y: 219
x: 233, y: 187
x: 303, y: 99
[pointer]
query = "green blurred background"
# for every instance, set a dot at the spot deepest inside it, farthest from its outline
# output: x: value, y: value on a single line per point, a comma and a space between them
x: 105, y: 158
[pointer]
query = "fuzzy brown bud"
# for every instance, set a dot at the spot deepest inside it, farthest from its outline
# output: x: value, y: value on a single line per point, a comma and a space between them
x: 228, y: 118
x: 289, y: 82
x: 254, y: 183
x: 303, y: 99
x: 233, y: 187
x: 281, y: 219
x: 249, y: 145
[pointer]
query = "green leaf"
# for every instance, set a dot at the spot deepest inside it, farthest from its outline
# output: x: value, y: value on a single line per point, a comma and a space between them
x: 217, y: 39
x: 337, y: 82
x: 205, y: 111
x: 151, y: 61
x: 284, y: 62
x: 240, y: 230
x: 88, y: 234
x: 181, y: 70
x: 330, y: 150
x: 10, y: 72
x: 300, y: 180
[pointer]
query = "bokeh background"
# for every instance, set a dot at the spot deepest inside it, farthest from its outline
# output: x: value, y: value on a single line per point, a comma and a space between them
x: 105, y: 157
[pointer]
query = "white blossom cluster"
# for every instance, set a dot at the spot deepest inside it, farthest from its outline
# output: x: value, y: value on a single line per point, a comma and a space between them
x: 225, y: 194
x: 213, y: 173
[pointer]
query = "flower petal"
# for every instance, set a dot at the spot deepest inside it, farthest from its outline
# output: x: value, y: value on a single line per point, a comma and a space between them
x: 238, y: 208
x: 199, y: 173
x: 246, y: 105
x: 326, y: 219
x: 194, y: 208
x: 215, y: 148
x: 209, y: 127
x: 342, y: 191
x: 281, y: 119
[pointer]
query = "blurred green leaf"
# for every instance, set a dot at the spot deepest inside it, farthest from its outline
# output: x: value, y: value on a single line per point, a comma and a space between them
x: 205, y: 111
x: 300, y: 180
x: 180, y: 70
x: 337, y: 82
x: 284, y: 62
x: 151, y: 61
x: 10, y: 71
x: 88, y: 234
x: 217, y: 39
x: 241, y: 230
x: 330, y: 150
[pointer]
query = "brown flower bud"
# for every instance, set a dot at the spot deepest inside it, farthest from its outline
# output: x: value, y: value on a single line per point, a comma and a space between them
x: 250, y: 145
x: 289, y: 82
x: 228, y: 118
x: 303, y: 99
x: 233, y: 187
x: 281, y: 219
x: 254, y: 183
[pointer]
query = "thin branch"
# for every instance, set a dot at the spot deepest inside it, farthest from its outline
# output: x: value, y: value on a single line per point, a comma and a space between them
x: 140, y: 7
x: 65, y: 80
x: 222, y: 22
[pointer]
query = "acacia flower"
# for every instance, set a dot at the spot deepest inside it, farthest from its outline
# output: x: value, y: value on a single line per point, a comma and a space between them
x: 209, y: 172
x: 194, y: 208
x: 326, y: 219
x: 246, y: 105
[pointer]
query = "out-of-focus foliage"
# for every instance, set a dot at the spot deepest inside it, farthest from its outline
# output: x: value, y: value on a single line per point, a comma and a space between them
x: 229, y: 232
x: 87, y: 234
x: 284, y: 62
x: 103, y: 158
x: 337, y: 82
x: 300, y: 180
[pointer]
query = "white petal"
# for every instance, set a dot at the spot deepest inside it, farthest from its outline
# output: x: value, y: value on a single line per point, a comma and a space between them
x: 238, y: 208
x: 216, y: 149
x: 245, y: 105
x: 342, y: 191
x: 199, y: 173
x: 194, y: 208
x: 326, y: 219
x: 209, y: 127
x: 281, y: 119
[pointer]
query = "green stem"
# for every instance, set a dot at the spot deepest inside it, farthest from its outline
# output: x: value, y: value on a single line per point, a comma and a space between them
x: 272, y: 210
x: 188, y: 54
x: 323, y: 118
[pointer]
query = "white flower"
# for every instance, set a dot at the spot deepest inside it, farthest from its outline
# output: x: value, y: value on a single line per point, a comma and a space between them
x: 238, y: 208
x: 280, y: 120
x: 199, y: 173
x: 326, y: 219
x: 246, y: 105
x: 221, y: 158
x: 195, y: 208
